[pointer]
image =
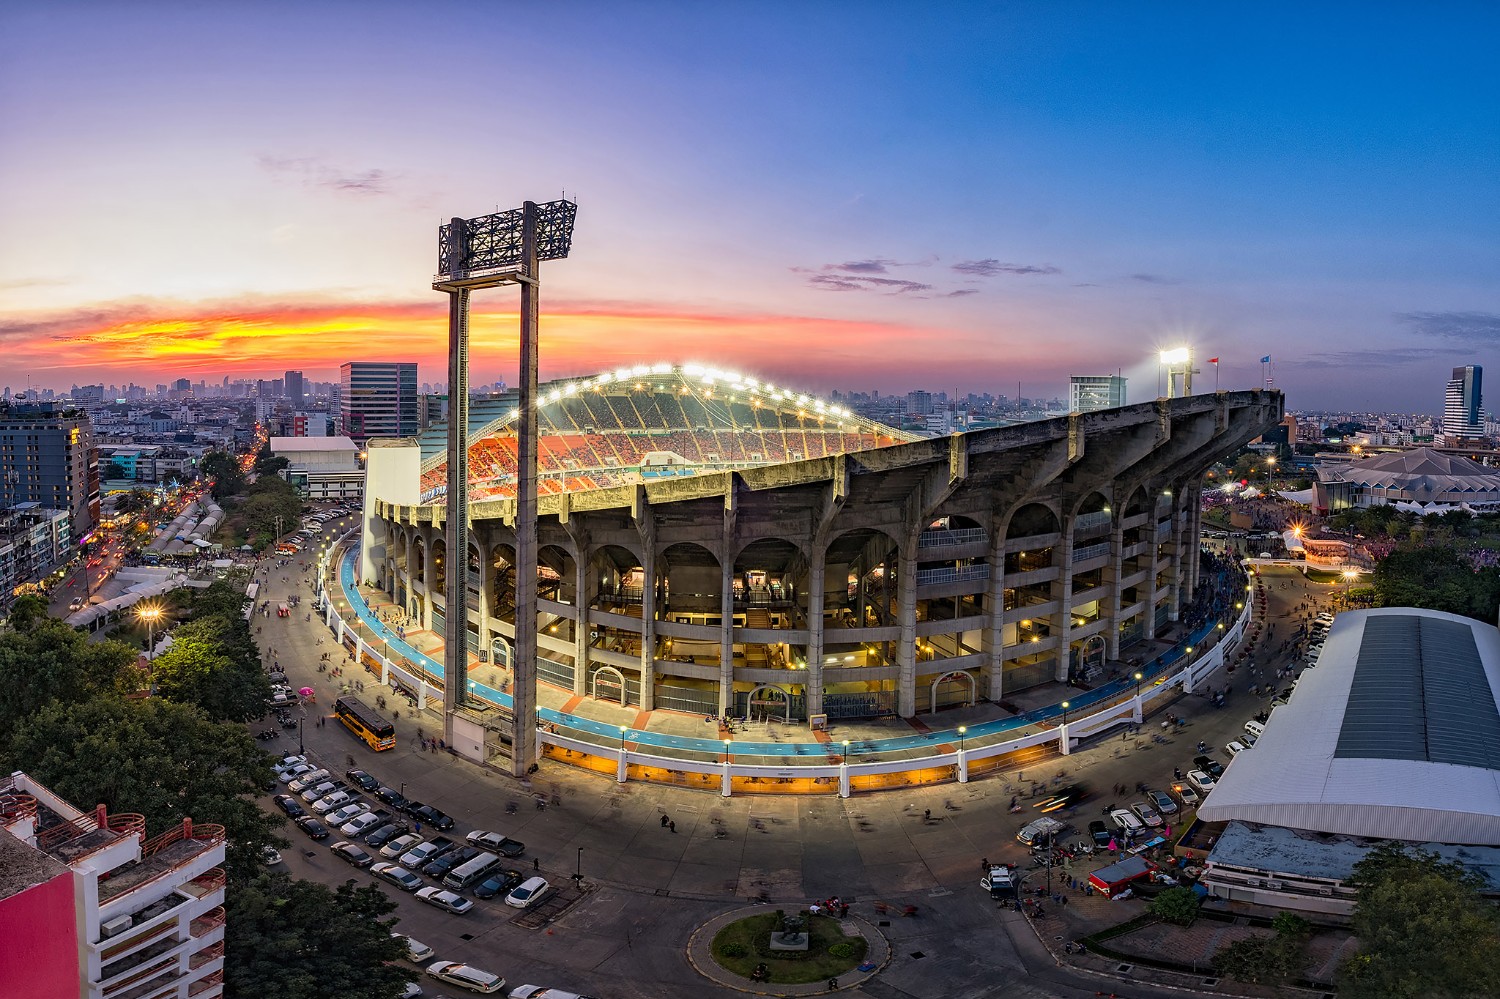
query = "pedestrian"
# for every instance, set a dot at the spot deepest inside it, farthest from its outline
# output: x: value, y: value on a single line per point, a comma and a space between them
x: 419, y: 827
x: 672, y: 826
x: 984, y: 866
x: 927, y: 815
x: 664, y: 820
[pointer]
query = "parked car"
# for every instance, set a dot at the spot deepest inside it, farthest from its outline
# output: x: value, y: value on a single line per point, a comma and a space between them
x: 423, y: 852
x: 1148, y: 815
x: 1186, y: 794
x: 400, y: 845
x: 308, y: 780
x: 1162, y: 802
x: 270, y: 856
x: 352, y: 854
x: 1209, y: 765
x: 364, y: 780
x: 1235, y: 748
x: 528, y: 893
x: 341, y: 815
x: 391, y: 797
x: 496, y: 843
x: 318, y: 791
x: 292, y: 772
x: 416, y: 951
x: 445, y: 899
x: 396, y: 875
x: 1100, y: 834
x: 499, y: 883
x: 310, y: 825
x: 1126, y: 821
x: 1038, y: 830
x: 360, y: 824
x: 466, y: 976
x: 384, y: 833
x: 1201, y: 781
x: 290, y: 806
x: 445, y: 862
x: 437, y: 819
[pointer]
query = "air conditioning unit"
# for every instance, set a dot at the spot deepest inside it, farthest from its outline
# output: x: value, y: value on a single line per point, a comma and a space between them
x: 1325, y: 890
x: 1274, y: 885
x: 115, y: 926
x: 1253, y: 882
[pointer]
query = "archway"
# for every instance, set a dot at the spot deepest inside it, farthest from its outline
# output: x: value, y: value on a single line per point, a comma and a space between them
x: 503, y: 583
x: 1091, y: 656
x: 1033, y: 520
x: 766, y: 698
x: 609, y: 685
x: 955, y: 687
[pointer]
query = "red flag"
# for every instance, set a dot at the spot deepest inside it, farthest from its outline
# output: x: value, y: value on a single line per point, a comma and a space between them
x: 1213, y: 360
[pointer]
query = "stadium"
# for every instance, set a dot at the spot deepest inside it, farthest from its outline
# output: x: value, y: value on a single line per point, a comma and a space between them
x: 715, y: 544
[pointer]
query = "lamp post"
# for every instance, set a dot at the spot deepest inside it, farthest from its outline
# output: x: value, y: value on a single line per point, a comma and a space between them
x: 961, y: 730
x: 623, y: 730
x: 1137, y: 677
x: 844, y: 756
x: 301, y: 746
x: 150, y: 615
x: 726, y: 751
x: 1065, y: 705
x: 578, y: 868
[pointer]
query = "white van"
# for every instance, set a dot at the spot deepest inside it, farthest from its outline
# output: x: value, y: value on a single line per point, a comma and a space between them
x: 1127, y: 822
x: 1255, y: 728
x: 475, y: 869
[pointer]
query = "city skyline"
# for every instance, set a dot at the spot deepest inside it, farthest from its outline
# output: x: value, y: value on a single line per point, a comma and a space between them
x: 980, y: 201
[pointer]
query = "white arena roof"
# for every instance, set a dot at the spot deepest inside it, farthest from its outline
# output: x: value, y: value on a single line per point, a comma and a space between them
x: 1395, y: 734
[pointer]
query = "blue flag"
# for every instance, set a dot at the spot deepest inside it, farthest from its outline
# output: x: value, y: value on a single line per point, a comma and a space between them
x: 1266, y: 359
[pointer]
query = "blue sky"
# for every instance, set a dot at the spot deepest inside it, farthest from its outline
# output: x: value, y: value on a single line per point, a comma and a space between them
x: 835, y: 195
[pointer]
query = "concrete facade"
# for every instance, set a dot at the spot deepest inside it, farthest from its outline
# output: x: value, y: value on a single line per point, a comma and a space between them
x: 892, y: 581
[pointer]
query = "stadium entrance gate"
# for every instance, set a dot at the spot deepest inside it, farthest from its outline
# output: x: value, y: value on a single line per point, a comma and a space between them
x: 954, y: 688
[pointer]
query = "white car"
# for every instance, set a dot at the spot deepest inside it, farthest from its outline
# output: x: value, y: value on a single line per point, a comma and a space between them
x: 339, y: 816
x: 998, y: 879
x: 1146, y: 814
x: 288, y: 762
x: 360, y: 824
x: 496, y: 842
x: 291, y: 772
x: 542, y: 992
x: 416, y: 950
x: 419, y: 854
x: 396, y: 875
x: 338, y: 799
x: 320, y: 789
x: 527, y: 893
x: 465, y: 976
x: 1200, y: 780
x: 444, y: 899
x: 1186, y: 794
x: 399, y: 845
x: 307, y: 781
x: 1235, y: 748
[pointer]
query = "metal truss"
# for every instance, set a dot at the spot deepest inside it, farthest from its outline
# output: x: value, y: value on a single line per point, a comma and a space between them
x: 495, y: 241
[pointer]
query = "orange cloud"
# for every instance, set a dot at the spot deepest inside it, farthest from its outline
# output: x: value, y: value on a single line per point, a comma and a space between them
x: 154, y: 340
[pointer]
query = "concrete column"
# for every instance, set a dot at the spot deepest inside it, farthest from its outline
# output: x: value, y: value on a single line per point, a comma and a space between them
x: 963, y: 766
x: 1179, y: 531
x: 359, y: 649
x: 726, y: 631
x: 341, y: 628
x: 906, y: 615
x: 385, y: 671
x: 586, y: 588
x: 726, y: 778
x: 486, y: 596
x: 1062, y: 741
x: 812, y: 686
x: 844, y: 779
x: 622, y: 771
x: 648, y: 617
x: 1112, y: 575
x: 1064, y: 590
x: 1195, y: 528
x: 992, y: 638
x: 422, y: 693
x: 429, y: 577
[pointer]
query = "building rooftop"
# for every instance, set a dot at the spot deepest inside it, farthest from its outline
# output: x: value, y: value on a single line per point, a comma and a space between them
x: 1395, y: 734
x: 23, y: 867
x: 1328, y: 856
x: 284, y: 445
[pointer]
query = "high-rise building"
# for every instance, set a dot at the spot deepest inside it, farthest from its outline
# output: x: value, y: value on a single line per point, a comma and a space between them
x: 1087, y: 393
x: 378, y: 399
x: 92, y: 907
x: 293, y: 384
x: 47, y: 456
x: 1463, y: 406
x: 919, y: 403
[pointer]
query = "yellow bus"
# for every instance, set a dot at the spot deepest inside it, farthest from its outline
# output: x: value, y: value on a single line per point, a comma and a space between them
x: 362, y: 720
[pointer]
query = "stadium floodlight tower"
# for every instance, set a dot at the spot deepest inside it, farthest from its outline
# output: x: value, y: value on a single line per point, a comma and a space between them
x: 485, y: 252
x: 1179, y: 367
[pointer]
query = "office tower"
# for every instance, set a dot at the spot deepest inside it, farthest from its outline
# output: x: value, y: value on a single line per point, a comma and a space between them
x: 919, y: 403
x: 47, y: 456
x: 378, y: 399
x: 1090, y: 392
x: 293, y: 384
x: 1463, y: 405
x: 182, y: 385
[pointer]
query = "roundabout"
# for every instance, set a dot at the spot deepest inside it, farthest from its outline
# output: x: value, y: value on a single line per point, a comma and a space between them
x: 737, y: 950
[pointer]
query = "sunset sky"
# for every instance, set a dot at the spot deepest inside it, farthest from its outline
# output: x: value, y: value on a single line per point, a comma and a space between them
x: 832, y: 195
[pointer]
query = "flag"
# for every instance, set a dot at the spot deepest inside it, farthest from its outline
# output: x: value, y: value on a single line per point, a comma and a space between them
x: 1213, y: 360
x: 1266, y: 359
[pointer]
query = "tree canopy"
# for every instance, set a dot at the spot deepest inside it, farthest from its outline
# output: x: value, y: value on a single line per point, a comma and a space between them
x: 49, y: 663
x: 213, y: 664
x: 224, y: 468
x: 296, y: 939
x: 166, y: 761
x: 1424, y: 931
x: 1437, y: 577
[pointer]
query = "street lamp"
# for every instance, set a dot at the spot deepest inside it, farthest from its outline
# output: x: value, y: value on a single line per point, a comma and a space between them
x: 578, y: 867
x: 726, y: 751
x: 1138, y: 677
x: 623, y: 730
x: 301, y: 747
x: 844, y: 758
x: 1065, y: 705
x: 150, y: 615
x: 961, y: 730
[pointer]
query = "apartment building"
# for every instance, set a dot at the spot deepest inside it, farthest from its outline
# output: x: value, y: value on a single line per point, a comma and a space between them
x: 144, y: 916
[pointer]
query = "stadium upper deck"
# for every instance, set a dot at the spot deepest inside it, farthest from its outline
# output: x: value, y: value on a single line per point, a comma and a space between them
x: 647, y: 422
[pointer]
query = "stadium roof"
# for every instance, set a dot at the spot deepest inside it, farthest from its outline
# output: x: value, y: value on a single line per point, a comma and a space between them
x: 1394, y: 735
x: 1422, y: 470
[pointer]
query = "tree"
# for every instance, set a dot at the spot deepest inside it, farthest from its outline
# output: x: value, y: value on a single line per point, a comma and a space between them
x: 295, y: 939
x: 1267, y: 960
x: 1176, y: 905
x: 213, y: 666
x: 1423, y: 929
x: 166, y: 761
x: 224, y: 468
x: 112, y: 470
x: 50, y: 663
x: 28, y: 611
x: 1436, y: 577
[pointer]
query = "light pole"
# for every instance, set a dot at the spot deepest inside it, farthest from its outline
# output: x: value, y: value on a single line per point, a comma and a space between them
x: 961, y: 730
x: 623, y: 730
x: 301, y: 747
x: 1138, y: 677
x: 844, y: 756
x: 726, y: 751
x: 578, y: 868
x: 1065, y: 705
x: 150, y: 615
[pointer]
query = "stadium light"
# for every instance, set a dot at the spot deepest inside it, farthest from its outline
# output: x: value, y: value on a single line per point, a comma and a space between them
x: 1175, y: 356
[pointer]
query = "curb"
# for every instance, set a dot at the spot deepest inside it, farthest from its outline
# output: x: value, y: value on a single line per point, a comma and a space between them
x: 729, y: 980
